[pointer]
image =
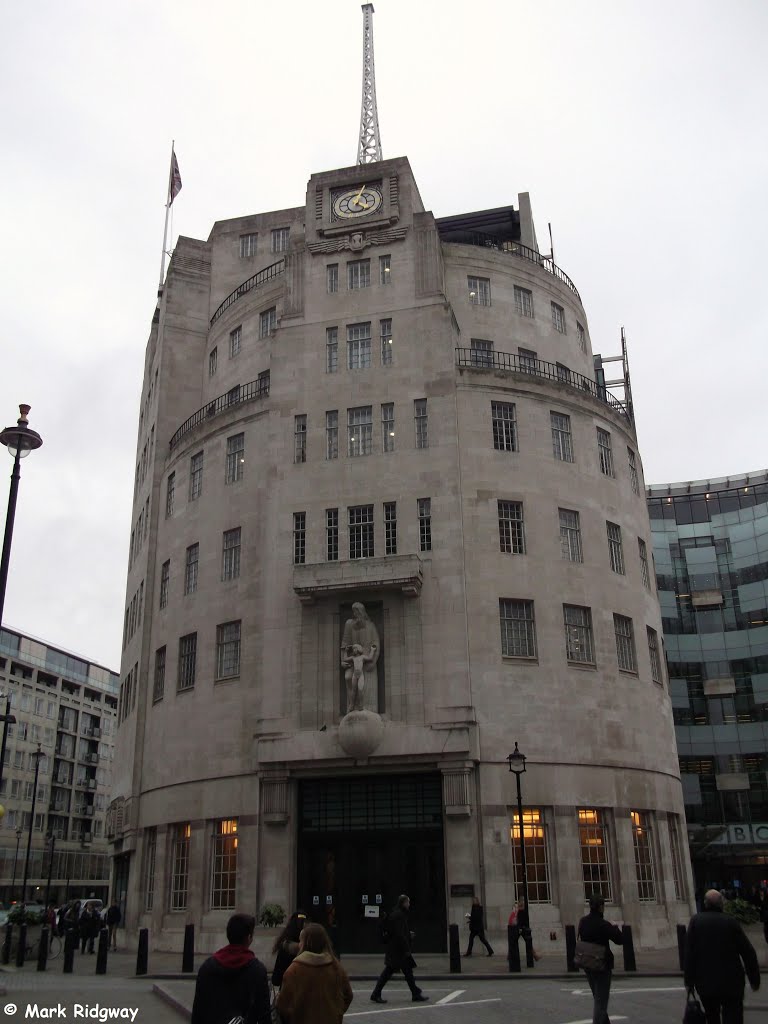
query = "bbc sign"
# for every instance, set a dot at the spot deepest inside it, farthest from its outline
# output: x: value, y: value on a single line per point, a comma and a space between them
x: 736, y: 835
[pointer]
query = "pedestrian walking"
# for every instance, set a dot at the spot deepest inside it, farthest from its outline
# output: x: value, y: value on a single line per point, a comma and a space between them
x: 315, y: 988
x: 762, y: 906
x: 477, y: 927
x: 398, y: 956
x: 524, y: 924
x: 89, y: 927
x: 595, y: 929
x: 112, y: 919
x: 717, y: 955
x: 286, y: 946
x: 232, y: 984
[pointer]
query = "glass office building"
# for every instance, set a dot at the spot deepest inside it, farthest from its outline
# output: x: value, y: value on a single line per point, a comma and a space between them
x: 710, y: 541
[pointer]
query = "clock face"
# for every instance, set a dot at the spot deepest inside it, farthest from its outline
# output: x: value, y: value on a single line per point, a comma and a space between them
x: 351, y: 203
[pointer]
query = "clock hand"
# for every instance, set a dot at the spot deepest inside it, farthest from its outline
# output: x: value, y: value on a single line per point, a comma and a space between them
x: 356, y: 200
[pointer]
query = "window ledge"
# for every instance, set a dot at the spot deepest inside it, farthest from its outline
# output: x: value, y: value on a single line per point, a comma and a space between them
x: 590, y: 666
x: 520, y: 657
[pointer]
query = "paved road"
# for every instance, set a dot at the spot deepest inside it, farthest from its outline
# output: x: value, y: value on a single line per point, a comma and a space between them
x: 25, y: 991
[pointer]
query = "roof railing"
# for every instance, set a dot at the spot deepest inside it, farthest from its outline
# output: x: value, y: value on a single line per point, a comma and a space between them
x: 517, y: 249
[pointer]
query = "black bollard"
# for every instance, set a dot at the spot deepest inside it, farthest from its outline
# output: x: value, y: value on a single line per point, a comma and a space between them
x: 333, y: 935
x: 70, y: 944
x: 629, y: 948
x: 681, y: 933
x: 42, y: 949
x: 6, y: 957
x: 513, y: 950
x: 528, y: 940
x: 188, y: 956
x: 101, y: 952
x: 570, y: 946
x: 21, y: 948
x: 454, y: 950
x: 142, y: 953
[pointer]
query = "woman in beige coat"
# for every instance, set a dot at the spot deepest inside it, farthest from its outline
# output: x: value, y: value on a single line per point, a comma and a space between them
x: 315, y: 987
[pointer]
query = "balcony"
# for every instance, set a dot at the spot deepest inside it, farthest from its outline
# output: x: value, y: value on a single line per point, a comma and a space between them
x: 507, y: 361
x: 245, y: 393
x: 394, y: 572
x: 267, y: 274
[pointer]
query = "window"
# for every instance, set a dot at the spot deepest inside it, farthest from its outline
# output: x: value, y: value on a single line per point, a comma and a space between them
x: 332, y: 434
x: 390, y: 527
x: 385, y: 270
x: 579, y: 645
x: 625, y: 643
x: 228, y: 650
x: 159, y: 687
x: 361, y: 531
x: 280, y: 237
x: 595, y: 854
x: 479, y: 291
x: 558, y: 318
x: 421, y: 422
x: 195, y: 476
x: 187, y: 662
x: 424, y: 506
x: 511, y: 527
x: 247, y: 245
x: 385, y: 333
x: 235, y: 341
x: 653, y: 654
x: 582, y: 336
x: 504, y: 426
x: 605, y: 453
x: 615, y: 549
x: 190, y: 568
x: 633, y: 479
x: 170, y: 494
x: 268, y: 322
x: 332, y: 277
x: 299, y: 538
x: 300, y: 438
x: 165, y: 575
x: 360, y: 430
x: 358, y: 346
x: 527, y: 360
x: 480, y: 352
x: 224, y: 865
x: 179, y: 867
x: 642, y: 841
x: 332, y: 534
x: 213, y: 361
x: 518, y: 630
x: 523, y: 301
x: 643, y: 552
x: 562, y: 444
x: 233, y: 395
x: 331, y: 349
x: 563, y: 373
x: 230, y: 554
x: 570, y: 535
x: 388, y: 426
x: 235, y: 458
x: 673, y: 824
x: 150, y: 848
x: 359, y: 274
x: 536, y: 857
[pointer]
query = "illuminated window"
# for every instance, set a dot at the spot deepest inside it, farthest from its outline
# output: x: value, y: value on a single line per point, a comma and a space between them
x: 224, y: 864
x: 595, y: 854
x: 536, y: 857
x: 179, y: 886
x: 642, y: 841
x: 479, y: 291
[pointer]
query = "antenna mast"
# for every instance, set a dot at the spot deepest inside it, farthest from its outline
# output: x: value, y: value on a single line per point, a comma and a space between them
x: 370, y: 141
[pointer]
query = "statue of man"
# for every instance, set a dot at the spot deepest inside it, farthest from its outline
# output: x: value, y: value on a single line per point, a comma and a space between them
x: 360, y: 631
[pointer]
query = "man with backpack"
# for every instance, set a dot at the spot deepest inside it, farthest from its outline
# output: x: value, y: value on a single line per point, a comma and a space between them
x: 395, y: 931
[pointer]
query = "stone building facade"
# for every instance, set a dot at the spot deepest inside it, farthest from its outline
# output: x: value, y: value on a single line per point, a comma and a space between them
x: 354, y: 403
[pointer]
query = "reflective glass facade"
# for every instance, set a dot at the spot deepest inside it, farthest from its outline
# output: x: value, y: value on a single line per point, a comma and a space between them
x: 710, y: 541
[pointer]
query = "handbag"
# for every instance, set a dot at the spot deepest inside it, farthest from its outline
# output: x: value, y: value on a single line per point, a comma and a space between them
x: 590, y: 955
x: 694, y: 1014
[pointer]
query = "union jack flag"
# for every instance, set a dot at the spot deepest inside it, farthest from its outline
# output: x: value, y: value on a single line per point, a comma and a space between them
x: 174, y: 185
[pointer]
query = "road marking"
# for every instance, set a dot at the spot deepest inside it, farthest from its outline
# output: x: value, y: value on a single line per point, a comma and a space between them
x: 626, y: 991
x: 588, y: 1020
x: 432, y: 1006
x: 450, y: 997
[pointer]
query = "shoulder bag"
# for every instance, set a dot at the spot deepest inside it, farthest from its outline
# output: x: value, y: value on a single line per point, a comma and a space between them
x: 694, y: 1014
x: 590, y: 955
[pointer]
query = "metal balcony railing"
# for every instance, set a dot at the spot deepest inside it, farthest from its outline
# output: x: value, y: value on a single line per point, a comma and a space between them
x: 258, y: 388
x: 267, y: 274
x: 482, y: 360
x: 518, y: 249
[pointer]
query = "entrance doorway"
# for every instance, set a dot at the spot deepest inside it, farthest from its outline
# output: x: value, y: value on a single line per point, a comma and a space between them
x: 363, y: 842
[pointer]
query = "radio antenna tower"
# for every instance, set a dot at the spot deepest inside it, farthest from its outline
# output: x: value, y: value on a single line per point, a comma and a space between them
x: 370, y: 140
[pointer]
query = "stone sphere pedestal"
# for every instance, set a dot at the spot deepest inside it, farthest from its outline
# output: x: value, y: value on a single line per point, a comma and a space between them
x: 360, y: 733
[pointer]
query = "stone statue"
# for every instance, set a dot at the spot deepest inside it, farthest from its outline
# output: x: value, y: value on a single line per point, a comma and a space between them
x: 361, y: 674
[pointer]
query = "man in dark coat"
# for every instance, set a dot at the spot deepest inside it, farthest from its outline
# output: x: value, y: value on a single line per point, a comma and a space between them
x: 113, y: 918
x: 717, y: 953
x: 594, y: 928
x: 90, y: 925
x: 477, y: 927
x: 232, y: 982
x: 398, y: 956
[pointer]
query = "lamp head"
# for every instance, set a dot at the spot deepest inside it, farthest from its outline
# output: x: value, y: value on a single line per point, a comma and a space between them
x: 516, y: 761
x: 21, y: 438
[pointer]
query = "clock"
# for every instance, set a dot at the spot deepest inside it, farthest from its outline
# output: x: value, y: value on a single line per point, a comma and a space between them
x: 351, y: 203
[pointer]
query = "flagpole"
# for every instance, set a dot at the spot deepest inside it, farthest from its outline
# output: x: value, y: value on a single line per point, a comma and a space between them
x: 167, y: 211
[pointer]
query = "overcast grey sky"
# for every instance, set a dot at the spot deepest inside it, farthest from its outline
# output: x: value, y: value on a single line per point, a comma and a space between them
x: 637, y: 126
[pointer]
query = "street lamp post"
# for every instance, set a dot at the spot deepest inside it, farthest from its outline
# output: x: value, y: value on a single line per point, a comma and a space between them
x: 517, y: 767
x: 37, y: 754
x: 7, y: 719
x: 19, y: 831
x: 51, y: 839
